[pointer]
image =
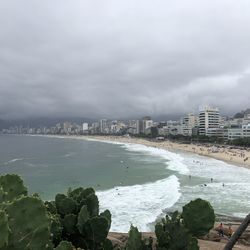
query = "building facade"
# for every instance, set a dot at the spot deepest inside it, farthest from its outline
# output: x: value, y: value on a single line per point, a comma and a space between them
x: 209, y: 118
x: 187, y: 124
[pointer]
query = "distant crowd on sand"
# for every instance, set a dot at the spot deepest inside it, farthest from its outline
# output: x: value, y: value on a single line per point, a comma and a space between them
x: 222, y: 152
x: 229, y: 151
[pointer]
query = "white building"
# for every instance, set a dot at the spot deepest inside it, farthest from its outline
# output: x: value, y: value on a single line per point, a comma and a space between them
x: 67, y: 126
x: 241, y: 132
x: 146, y: 123
x: 85, y: 127
x: 188, y: 123
x: 234, y: 133
x: 164, y: 131
x: 134, y: 126
x: 246, y: 130
x: 209, y: 121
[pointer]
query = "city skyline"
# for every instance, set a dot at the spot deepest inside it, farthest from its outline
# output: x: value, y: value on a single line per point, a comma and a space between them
x: 208, y: 123
x: 123, y: 59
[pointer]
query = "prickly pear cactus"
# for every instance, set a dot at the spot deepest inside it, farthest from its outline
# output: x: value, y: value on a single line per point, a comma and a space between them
x: 51, y: 207
x: 96, y: 230
x: 29, y: 224
x: 92, y: 205
x: 163, y: 238
x: 198, y: 217
x: 171, y: 234
x: 80, y: 219
x: 88, y: 191
x: 79, y: 195
x: 107, y: 215
x: 11, y: 187
x: 64, y: 245
x: 65, y: 205
x: 4, y: 229
x: 69, y: 224
x: 56, y: 228
x: 108, y: 245
x: 83, y: 217
x: 76, y: 194
x: 134, y: 241
x: 2, y: 195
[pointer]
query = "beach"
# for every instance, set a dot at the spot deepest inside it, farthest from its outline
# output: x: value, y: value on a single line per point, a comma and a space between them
x: 234, y: 155
x: 140, y: 168
x: 119, y: 240
x: 230, y: 154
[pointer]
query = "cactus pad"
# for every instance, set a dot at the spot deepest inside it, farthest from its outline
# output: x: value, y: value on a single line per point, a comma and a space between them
x: 29, y: 224
x: 11, y: 187
x: 64, y: 245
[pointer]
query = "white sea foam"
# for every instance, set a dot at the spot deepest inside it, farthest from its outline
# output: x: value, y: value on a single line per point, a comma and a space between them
x: 174, y: 161
x: 13, y: 160
x: 139, y: 204
x: 201, y: 166
x: 68, y: 155
x: 228, y: 193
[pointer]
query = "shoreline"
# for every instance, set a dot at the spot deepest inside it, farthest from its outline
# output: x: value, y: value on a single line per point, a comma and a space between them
x: 205, y: 244
x: 228, y: 154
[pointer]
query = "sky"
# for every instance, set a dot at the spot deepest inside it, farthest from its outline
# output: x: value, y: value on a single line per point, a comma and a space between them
x: 123, y: 59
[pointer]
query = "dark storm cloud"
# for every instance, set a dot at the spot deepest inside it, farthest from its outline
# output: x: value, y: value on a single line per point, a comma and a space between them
x: 123, y: 58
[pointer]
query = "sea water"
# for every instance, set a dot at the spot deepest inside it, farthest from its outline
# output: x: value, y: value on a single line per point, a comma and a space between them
x: 135, y: 182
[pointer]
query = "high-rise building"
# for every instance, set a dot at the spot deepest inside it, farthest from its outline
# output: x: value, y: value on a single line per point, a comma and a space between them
x: 95, y: 128
x: 188, y: 123
x: 134, y: 126
x: 67, y: 126
x: 146, y: 123
x: 103, y: 125
x: 85, y: 126
x: 209, y: 118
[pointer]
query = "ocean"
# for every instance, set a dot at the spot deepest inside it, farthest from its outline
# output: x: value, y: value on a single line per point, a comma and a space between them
x: 135, y: 182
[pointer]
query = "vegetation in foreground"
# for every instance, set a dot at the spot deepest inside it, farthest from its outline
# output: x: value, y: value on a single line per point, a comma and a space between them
x: 73, y: 221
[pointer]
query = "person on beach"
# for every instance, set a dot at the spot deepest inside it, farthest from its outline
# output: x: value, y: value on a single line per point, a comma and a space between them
x: 230, y: 231
x: 221, y: 230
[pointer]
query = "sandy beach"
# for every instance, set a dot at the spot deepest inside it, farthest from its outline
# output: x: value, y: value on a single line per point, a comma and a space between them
x: 119, y: 240
x: 230, y: 154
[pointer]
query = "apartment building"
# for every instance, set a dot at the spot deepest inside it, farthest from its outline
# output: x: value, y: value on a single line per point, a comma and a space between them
x: 209, y: 118
x: 187, y: 124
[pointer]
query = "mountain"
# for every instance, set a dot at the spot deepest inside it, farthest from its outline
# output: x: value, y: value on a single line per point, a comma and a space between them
x: 41, y: 122
x: 242, y: 113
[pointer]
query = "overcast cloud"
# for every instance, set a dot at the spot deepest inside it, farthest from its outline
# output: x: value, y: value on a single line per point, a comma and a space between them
x: 123, y: 58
